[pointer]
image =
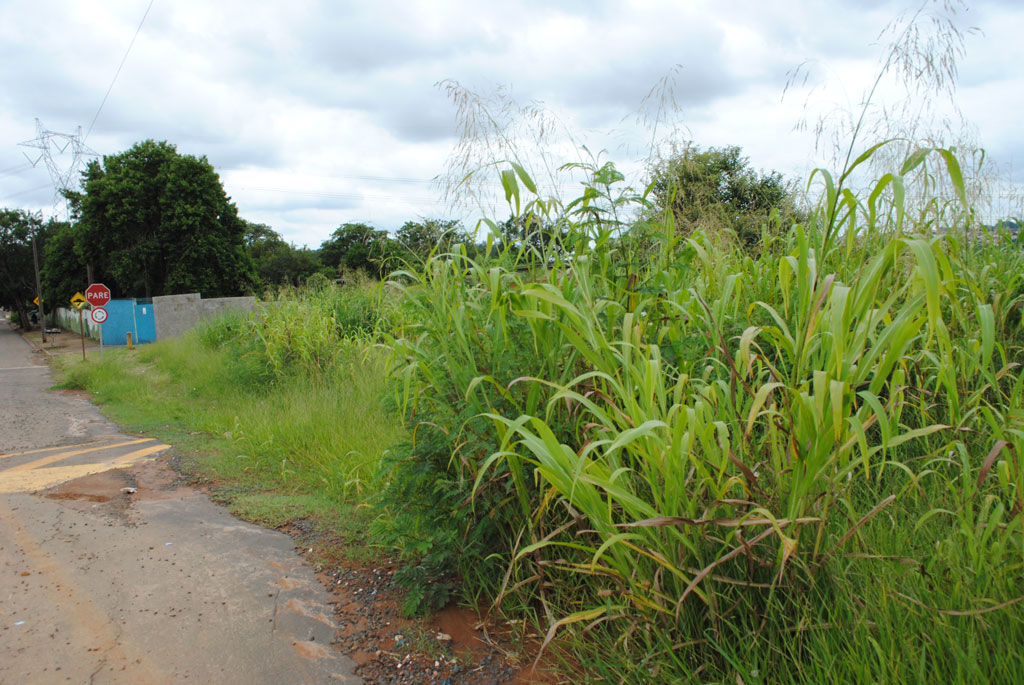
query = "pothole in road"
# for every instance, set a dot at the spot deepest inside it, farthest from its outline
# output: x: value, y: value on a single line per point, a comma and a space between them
x: 98, y: 487
x: 118, y: 488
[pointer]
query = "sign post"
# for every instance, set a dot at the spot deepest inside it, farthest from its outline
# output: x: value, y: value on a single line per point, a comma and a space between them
x: 99, y: 315
x: 98, y: 295
x: 78, y: 302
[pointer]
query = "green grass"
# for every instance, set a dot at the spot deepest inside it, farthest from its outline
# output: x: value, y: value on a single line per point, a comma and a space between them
x: 295, y: 446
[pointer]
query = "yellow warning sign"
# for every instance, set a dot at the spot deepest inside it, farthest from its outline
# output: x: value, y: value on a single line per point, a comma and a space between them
x: 78, y: 300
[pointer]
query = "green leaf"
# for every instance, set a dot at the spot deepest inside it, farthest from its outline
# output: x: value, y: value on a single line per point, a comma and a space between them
x: 956, y: 176
x: 608, y: 175
x: 524, y: 177
x: 508, y: 182
x: 987, y: 323
x: 914, y: 160
x: 864, y: 156
x: 916, y: 433
x: 759, y: 399
x: 929, y: 275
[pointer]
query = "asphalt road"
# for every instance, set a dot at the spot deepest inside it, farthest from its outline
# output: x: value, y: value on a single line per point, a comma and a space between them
x: 104, y: 585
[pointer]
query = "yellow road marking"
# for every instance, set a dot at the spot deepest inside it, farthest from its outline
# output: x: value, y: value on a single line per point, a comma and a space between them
x: 138, y: 454
x: 28, y: 481
x: 49, y: 449
x: 64, y: 455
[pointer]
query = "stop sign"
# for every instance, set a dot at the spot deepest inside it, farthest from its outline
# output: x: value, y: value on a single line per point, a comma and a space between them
x: 98, y: 295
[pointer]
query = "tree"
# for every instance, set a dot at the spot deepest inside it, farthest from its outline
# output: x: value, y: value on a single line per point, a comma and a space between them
x: 278, y: 262
x: 156, y: 222
x: 17, y: 273
x: 716, y: 189
x: 258, y: 234
x: 532, y: 234
x: 525, y: 230
x: 62, y: 271
x: 356, y: 247
x: 417, y: 239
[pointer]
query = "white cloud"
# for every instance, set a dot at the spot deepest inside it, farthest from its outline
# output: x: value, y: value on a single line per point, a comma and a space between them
x: 317, y: 113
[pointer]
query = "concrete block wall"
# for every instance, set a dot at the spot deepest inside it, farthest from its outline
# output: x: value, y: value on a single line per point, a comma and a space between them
x: 176, y: 314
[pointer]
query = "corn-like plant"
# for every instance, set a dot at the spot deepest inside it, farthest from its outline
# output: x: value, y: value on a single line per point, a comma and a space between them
x: 671, y: 443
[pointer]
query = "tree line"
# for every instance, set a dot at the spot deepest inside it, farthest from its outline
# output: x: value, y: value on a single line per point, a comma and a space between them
x: 151, y: 221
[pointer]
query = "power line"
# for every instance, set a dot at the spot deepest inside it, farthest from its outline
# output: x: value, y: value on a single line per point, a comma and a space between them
x: 355, y: 177
x: 488, y: 182
x: 25, y: 192
x: 16, y: 169
x: 342, y: 196
x: 118, y: 72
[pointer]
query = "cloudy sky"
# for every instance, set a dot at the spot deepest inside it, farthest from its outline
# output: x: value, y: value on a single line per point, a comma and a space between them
x: 318, y: 112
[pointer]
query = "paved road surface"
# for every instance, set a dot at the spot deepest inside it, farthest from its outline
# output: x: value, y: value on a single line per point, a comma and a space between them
x: 156, y: 586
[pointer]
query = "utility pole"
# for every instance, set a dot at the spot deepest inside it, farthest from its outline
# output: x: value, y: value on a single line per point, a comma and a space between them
x: 39, y: 288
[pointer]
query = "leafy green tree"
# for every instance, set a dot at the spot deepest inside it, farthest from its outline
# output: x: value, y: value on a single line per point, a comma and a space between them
x: 17, y: 273
x: 62, y: 271
x: 533, y: 233
x: 258, y: 234
x: 417, y: 239
x: 715, y: 189
x: 354, y: 247
x: 157, y: 222
x: 278, y: 262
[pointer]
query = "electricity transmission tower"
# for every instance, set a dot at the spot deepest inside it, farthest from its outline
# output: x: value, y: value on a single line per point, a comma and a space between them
x: 54, y: 146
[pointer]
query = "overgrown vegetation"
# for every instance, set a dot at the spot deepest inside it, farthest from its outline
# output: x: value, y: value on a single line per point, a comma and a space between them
x: 731, y: 464
x: 283, y: 407
x: 694, y: 447
x: 715, y: 189
x: 701, y: 463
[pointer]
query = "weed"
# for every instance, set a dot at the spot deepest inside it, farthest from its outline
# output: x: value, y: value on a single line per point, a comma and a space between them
x: 739, y: 487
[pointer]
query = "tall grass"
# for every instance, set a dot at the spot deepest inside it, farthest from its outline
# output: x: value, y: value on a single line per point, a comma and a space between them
x: 801, y: 464
x: 689, y: 462
x: 289, y: 397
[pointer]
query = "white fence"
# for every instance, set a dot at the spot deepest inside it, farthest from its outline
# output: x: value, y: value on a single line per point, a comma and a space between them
x: 68, y: 320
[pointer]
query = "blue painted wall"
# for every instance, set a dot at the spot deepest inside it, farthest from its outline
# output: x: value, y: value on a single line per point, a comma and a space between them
x: 129, y: 316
